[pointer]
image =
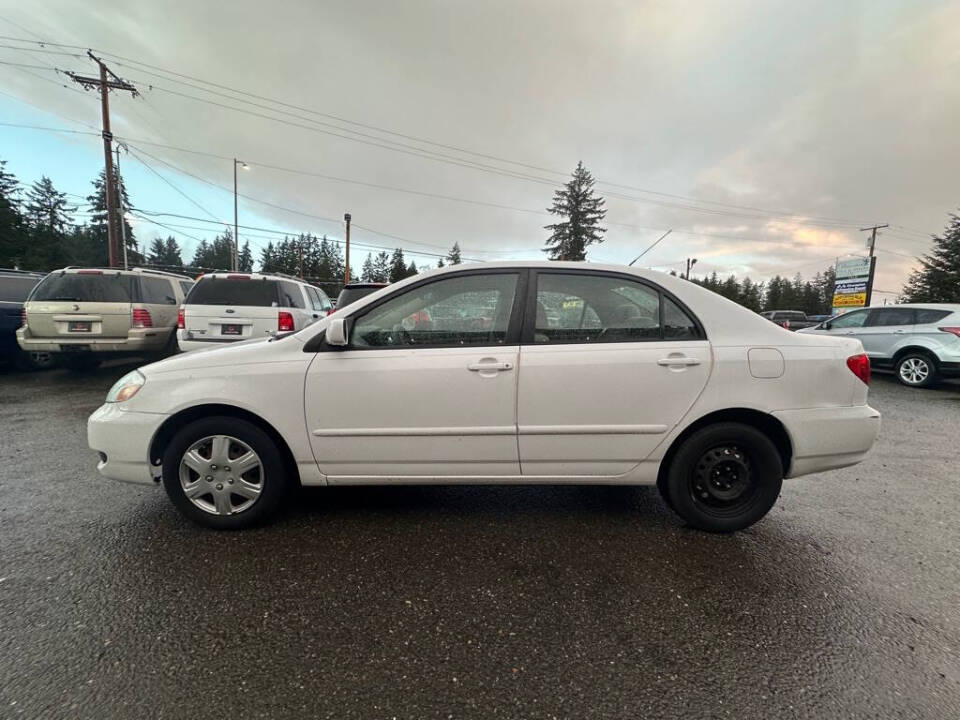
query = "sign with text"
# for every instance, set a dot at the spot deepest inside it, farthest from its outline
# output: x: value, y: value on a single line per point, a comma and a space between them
x: 854, y: 278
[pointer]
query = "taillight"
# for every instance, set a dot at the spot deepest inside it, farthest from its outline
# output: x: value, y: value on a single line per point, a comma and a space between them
x: 284, y: 322
x: 331, y: 311
x: 141, y: 318
x: 860, y: 366
x: 951, y: 330
x: 786, y: 324
x: 181, y: 323
x: 23, y: 317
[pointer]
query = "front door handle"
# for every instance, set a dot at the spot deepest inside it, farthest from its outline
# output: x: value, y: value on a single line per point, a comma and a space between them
x: 668, y: 361
x: 490, y: 366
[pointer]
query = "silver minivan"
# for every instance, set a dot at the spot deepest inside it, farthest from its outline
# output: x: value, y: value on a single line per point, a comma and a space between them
x: 920, y: 343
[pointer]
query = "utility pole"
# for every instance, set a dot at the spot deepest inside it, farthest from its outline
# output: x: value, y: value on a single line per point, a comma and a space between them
x: 300, y: 250
x: 346, y: 273
x: 873, y: 234
x: 690, y: 263
x: 873, y: 243
x: 123, y: 221
x: 105, y: 85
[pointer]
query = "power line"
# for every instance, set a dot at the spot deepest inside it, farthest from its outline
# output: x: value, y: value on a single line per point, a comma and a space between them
x: 171, y: 184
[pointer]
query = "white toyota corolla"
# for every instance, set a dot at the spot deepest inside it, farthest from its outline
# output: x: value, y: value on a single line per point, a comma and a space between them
x: 500, y: 373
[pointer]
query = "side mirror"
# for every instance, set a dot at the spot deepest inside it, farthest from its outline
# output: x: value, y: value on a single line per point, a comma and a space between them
x: 827, y: 325
x: 336, y: 333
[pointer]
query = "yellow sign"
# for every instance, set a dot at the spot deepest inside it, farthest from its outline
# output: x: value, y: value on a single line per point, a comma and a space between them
x: 853, y: 300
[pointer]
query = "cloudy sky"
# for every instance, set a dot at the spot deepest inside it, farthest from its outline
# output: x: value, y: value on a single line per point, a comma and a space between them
x: 763, y: 133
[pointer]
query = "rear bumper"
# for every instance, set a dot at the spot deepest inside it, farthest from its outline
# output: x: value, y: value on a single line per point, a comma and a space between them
x: 188, y: 345
x: 145, y: 340
x: 123, y: 440
x: 829, y: 438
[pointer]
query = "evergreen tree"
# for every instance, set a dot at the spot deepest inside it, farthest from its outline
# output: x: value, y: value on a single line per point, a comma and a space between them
x: 440, y: 263
x: 367, y: 269
x: 381, y: 267
x: 245, y: 258
x: 96, y: 250
x: 12, y: 230
x: 165, y: 254
x: 582, y: 212
x: 938, y: 278
x: 398, y: 266
x: 453, y: 257
x: 47, y: 214
x: 412, y: 269
x: 266, y: 258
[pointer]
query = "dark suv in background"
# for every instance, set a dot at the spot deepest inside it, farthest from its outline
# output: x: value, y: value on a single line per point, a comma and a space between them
x: 354, y: 291
x: 15, y: 286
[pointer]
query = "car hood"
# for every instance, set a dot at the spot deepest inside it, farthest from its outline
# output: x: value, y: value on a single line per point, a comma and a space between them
x: 258, y: 350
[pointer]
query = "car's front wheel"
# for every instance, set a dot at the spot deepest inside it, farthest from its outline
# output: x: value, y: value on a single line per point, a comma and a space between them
x: 724, y: 477
x: 224, y: 473
x: 916, y: 370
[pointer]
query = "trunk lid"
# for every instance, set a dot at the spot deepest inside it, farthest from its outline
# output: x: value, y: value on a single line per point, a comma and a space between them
x: 82, y: 305
x: 229, y: 308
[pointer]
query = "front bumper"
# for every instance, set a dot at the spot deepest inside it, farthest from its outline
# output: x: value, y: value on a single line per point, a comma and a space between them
x: 829, y: 438
x: 146, y: 340
x: 122, y: 438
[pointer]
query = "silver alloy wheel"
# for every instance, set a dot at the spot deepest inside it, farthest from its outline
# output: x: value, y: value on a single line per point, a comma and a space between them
x: 914, y: 370
x: 221, y: 475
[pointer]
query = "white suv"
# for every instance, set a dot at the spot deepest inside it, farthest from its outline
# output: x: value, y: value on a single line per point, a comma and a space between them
x: 226, y: 307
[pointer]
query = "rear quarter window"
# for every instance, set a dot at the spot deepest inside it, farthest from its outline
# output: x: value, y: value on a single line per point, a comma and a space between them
x: 78, y: 287
x: 930, y: 316
x: 157, y: 291
x: 16, y: 289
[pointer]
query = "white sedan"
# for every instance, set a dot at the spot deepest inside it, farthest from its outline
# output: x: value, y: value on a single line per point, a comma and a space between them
x: 528, y: 372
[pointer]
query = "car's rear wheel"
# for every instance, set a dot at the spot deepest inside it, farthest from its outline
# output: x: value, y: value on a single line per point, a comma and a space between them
x: 224, y: 473
x: 724, y: 477
x: 916, y: 369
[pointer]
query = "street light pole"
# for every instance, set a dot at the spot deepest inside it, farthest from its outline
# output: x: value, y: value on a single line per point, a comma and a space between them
x: 236, y: 235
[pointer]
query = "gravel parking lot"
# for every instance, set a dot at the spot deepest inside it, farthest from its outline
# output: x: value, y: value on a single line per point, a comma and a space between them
x: 477, y: 602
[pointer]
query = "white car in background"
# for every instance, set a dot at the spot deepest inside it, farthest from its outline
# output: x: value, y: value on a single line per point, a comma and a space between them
x: 528, y: 372
x: 227, y: 307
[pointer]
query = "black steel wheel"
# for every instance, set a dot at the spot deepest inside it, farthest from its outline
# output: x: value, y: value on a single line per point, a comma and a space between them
x: 724, y: 477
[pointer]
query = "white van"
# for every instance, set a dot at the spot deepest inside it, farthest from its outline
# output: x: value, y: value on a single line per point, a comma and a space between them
x: 227, y: 307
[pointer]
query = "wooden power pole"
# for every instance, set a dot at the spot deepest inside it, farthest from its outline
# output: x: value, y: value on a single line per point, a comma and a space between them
x: 346, y: 272
x: 105, y: 84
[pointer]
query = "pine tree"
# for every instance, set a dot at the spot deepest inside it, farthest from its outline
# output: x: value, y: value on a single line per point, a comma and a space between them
x: 412, y: 269
x: 165, y: 254
x: 381, y: 267
x: 453, y: 257
x: 96, y: 252
x: 582, y: 212
x: 367, y: 275
x: 12, y: 231
x: 46, y: 207
x: 398, y: 266
x: 266, y: 258
x: 938, y: 279
x: 49, y: 233
x: 245, y: 258
x: 440, y: 263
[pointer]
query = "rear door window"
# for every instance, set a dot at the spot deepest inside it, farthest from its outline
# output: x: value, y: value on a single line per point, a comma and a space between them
x: 233, y: 291
x: 185, y: 285
x: 77, y: 287
x: 290, y: 295
x: 157, y: 291
x: 887, y: 317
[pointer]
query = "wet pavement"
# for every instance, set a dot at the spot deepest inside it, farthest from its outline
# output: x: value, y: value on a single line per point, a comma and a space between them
x: 477, y: 602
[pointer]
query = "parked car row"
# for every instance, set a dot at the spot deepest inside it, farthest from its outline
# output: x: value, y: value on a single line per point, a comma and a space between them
x: 82, y: 316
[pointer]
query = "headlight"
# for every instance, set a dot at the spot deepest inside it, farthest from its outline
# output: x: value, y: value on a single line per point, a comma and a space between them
x: 126, y: 387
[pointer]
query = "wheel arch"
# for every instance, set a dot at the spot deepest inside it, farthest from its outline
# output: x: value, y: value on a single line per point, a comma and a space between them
x: 172, y: 424
x: 762, y: 421
x: 920, y: 349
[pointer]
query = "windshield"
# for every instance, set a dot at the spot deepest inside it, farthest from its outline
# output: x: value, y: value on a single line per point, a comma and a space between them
x: 233, y: 291
x: 86, y: 288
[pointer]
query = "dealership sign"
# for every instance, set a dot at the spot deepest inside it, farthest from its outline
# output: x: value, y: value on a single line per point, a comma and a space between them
x: 853, y: 282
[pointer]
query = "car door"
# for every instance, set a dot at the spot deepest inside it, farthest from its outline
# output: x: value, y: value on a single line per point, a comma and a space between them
x: 160, y: 298
x: 883, y: 329
x: 608, y: 366
x: 426, y: 386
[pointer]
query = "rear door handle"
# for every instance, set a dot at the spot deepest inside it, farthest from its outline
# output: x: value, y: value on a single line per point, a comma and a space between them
x: 487, y: 366
x: 668, y: 361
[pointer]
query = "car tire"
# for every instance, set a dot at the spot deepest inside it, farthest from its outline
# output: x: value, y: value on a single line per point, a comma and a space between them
x: 80, y: 363
x: 724, y: 477
x: 221, y: 497
x: 917, y: 369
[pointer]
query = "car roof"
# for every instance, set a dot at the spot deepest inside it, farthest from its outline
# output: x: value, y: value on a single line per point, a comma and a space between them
x: 74, y: 269
x: 364, y: 285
